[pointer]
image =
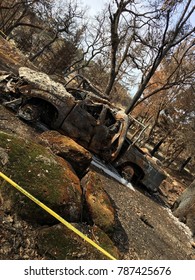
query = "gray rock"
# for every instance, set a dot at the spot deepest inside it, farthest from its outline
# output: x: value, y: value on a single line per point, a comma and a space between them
x: 184, y: 207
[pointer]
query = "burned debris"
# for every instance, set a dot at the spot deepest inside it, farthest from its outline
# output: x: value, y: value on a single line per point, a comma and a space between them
x: 81, y: 112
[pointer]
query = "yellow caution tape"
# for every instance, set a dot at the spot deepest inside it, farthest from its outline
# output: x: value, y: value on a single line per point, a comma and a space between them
x: 3, y: 34
x: 55, y: 215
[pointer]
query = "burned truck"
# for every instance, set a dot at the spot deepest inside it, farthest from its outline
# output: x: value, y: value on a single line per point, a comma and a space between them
x: 79, y: 110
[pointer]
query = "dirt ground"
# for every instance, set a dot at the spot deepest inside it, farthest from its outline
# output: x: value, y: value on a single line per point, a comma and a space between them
x: 148, y: 228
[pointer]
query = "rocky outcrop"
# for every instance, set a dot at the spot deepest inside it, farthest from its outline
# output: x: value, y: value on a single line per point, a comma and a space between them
x: 99, y: 206
x: 184, y: 207
x: 68, y: 149
x: 47, y: 177
x: 61, y: 244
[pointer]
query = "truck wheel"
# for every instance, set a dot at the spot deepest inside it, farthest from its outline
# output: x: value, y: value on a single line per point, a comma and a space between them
x: 29, y: 112
x: 128, y: 173
x: 37, y: 109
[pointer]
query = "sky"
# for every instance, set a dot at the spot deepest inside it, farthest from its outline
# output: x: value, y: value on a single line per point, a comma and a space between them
x: 97, y: 5
x: 94, y: 5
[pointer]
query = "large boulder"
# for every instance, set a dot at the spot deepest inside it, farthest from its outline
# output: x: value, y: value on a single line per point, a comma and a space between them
x: 184, y: 207
x: 59, y: 243
x: 44, y: 175
x: 68, y: 149
x: 98, y: 203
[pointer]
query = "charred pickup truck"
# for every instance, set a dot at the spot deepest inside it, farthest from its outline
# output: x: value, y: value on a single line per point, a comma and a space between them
x: 79, y: 110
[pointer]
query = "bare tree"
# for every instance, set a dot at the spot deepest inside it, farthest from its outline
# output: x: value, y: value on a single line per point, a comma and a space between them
x: 171, y: 36
x: 14, y: 14
x: 142, y: 35
x: 119, y: 35
x: 38, y: 26
x: 176, y: 71
x: 171, y: 81
x: 92, y: 44
x: 61, y: 22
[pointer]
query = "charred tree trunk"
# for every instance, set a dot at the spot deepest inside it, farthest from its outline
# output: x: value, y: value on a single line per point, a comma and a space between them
x: 177, y: 153
x: 114, y: 19
x: 46, y: 46
x: 156, y: 147
x: 183, y: 165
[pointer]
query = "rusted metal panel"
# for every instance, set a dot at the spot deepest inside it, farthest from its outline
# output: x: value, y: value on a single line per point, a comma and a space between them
x: 151, y: 175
